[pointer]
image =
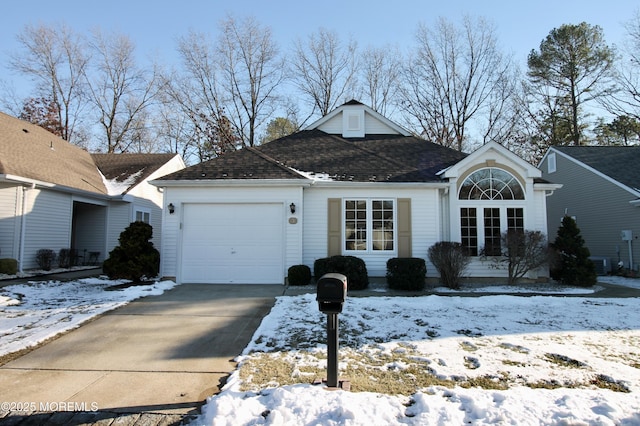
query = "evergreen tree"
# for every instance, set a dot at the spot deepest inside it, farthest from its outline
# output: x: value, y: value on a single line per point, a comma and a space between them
x: 135, y: 257
x: 572, y: 265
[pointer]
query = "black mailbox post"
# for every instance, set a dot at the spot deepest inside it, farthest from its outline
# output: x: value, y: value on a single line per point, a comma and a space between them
x: 331, y: 294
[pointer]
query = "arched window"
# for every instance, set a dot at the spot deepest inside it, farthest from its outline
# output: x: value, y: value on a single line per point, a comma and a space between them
x: 491, y: 184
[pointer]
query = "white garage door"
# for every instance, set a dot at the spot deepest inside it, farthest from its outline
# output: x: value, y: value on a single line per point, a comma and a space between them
x: 232, y: 243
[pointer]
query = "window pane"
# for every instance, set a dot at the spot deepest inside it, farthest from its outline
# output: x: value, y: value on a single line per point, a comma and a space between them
x: 355, y: 225
x: 492, y: 232
x: 383, y: 232
x: 515, y: 219
x: 491, y: 184
x: 468, y: 231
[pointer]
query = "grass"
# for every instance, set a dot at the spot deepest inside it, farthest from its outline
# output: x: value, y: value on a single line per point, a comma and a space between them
x: 401, y: 372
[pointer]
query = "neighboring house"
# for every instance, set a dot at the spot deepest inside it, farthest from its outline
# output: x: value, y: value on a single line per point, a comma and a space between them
x: 352, y: 183
x: 601, y: 190
x: 55, y: 195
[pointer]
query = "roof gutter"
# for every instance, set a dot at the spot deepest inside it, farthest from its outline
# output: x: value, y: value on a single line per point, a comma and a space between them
x: 374, y: 184
x: 55, y: 187
x: 227, y: 182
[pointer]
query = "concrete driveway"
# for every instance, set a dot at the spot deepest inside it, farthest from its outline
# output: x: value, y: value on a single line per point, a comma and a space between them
x: 161, y: 354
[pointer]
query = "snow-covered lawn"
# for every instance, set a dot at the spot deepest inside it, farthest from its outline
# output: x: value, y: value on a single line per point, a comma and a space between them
x: 31, y: 313
x: 492, y: 359
x: 495, y: 359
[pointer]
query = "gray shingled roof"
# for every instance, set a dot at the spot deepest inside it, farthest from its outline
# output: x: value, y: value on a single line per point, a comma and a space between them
x: 133, y: 168
x: 375, y: 158
x: 31, y: 152
x: 621, y: 163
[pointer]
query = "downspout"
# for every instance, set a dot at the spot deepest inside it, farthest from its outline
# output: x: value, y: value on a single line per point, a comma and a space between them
x: 23, y: 225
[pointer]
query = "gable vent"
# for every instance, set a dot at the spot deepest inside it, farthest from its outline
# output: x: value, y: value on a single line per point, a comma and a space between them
x: 353, y: 123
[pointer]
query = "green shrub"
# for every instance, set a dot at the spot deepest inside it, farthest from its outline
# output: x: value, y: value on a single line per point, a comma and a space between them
x: 45, y: 258
x: 135, y: 257
x: 450, y: 260
x: 571, y: 264
x: 8, y: 266
x: 352, y: 267
x: 406, y: 273
x: 299, y: 275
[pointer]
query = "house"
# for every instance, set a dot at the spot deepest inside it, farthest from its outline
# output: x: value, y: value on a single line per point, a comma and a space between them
x: 54, y: 195
x: 601, y: 191
x: 352, y: 183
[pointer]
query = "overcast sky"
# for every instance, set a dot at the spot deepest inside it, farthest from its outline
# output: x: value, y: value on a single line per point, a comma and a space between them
x: 154, y: 26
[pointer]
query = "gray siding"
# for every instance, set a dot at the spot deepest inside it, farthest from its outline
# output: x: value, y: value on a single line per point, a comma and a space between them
x: 601, y: 209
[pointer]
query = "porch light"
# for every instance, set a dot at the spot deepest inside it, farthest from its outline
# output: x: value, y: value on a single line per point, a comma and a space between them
x: 171, y: 208
x: 292, y: 207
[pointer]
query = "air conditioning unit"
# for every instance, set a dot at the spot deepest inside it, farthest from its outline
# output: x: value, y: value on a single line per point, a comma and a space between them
x: 603, y: 266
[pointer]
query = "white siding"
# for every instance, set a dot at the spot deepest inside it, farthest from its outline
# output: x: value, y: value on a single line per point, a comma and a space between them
x: 372, y: 125
x: 119, y: 217
x: 151, y: 197
x: 376, y: 127
x: 171, y: 241
x: 333, y: 126
x: 425, y: 216
x: 9, y: 224
x: 48, y: 223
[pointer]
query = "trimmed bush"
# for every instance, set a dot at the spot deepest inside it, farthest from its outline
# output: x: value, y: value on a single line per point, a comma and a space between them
x: 406, y: 273
x: 45, y: 258
x: 8, y: 266
x: 299, y: 275
x: 135, y: 257
x: 66, y: 259
x: 352, y: 267
x: 450, y: 260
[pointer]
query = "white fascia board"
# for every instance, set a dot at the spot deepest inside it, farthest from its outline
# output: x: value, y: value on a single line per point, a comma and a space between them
x: 230, y: 182
x: 472, y: 158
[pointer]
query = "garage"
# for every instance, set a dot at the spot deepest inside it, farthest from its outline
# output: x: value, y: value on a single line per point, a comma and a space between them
x: 233, y: 243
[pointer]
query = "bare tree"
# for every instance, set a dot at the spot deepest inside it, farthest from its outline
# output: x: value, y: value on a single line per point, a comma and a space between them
x: 380, y: 76
x: 457, y: 76
x: 193, y: 104
x: 626, y: 101
x: 520, y: 252
x: 173, y: 129
x: 324, y: 69
x: 120, y: 92
x: 251, y: 70
x: 56, y: 59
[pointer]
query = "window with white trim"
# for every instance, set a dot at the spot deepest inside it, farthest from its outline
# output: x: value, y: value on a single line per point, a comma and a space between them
x: 142, y: 215
x: 551, y: 163
x: 369, y: 225
x: 491, y: 184
x: 491, y: 200
x: 486, y: 238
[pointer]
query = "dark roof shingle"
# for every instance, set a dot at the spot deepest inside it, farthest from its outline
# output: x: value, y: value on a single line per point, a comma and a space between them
x: 618, y: 162
x: 132, y: 167
x: 379, y: 158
